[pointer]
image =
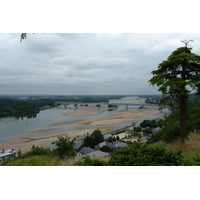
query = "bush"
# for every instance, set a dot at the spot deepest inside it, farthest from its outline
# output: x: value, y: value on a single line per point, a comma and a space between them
x: 34, y: 160
x: 154, y: 138
x: 106, y: 149
x: 87, y: 161
x: 140, y: 154
x: 65, y: 147
x: 95, y: 138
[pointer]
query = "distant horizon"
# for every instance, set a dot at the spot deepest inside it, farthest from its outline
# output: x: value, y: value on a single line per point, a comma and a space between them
x: 79, y: 94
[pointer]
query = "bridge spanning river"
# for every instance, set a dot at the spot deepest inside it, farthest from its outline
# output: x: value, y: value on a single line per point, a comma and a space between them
x: 103, y: 103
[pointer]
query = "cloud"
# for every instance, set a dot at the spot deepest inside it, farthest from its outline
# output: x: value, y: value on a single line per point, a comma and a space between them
x: 84, y: 63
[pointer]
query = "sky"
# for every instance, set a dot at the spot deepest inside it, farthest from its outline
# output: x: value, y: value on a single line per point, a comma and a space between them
x: 85, y: 63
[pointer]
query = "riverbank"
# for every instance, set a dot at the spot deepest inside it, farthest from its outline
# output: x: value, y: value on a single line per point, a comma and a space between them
x: 25, y: 143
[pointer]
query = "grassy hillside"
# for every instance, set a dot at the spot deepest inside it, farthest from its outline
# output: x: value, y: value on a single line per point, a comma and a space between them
x: 190, y: 148
x: 137, y: 154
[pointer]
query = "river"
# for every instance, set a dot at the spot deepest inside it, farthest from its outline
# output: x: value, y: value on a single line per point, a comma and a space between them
x: 18, y: 127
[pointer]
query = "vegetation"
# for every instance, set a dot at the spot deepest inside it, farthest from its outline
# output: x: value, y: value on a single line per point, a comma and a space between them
x: 152, y: 101
x: 152, y: 123
x: 65, y: 147
x: 87, y: 161
x: 173, y: 76
x: 106, y: 148
x: 10, y: 107
x: 138, y: 154
x: 13, y: 106
x: 171, y: 125
x: 112, y: 106
x: 95, y: 138
x: 175, y: 153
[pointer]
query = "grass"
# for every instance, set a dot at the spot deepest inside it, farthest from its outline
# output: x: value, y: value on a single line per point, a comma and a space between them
x: 46, y: 160
x: 40, y: 160
x: 190, y: 150
x: 190, y: 147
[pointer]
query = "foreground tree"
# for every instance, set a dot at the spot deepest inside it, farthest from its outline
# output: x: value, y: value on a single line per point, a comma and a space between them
x: 95, y: 138
x: 173, y: 76
x: 65, y: 147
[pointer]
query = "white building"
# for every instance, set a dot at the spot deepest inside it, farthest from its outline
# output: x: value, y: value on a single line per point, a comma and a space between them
x: 6, y: 155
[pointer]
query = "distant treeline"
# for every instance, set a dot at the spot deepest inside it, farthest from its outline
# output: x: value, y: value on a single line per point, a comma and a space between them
x: 154, y: 99
x: 12, y: 106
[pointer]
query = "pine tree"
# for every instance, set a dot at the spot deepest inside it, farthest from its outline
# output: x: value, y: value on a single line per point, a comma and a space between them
x: 173, y: 76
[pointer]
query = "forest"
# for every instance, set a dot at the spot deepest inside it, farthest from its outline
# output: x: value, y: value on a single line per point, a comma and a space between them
x: 12, y: 106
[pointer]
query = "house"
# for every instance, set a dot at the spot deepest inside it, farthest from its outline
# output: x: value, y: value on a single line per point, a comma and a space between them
x: 85, y: 150
x: 109, y: 144
x: 77, y: 146
x: 107, y: 136
x: 80, y: 139
x: 97, y: 154
x: 121, y: 144
x: 6, y: 155
x: 53, y: 146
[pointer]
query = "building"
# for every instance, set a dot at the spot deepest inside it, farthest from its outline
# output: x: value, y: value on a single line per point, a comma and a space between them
x: 85, y: 150
x: 80, y: 139
x: 109, y: 144
x: 98, y: 154
x: 6, y: 155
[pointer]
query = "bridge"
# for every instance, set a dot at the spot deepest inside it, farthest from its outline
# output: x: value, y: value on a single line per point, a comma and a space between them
x: 103, y: 103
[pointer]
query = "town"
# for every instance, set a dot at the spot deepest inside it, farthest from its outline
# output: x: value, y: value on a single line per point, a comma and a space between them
x: 109, y: 141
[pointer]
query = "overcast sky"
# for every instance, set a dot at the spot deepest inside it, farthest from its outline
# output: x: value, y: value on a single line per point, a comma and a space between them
x: 85, y: 64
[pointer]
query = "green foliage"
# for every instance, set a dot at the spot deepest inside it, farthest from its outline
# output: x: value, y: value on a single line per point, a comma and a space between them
x: 140, y: 154
x: 13, y: 106
x: 151, y: 123
x: 153, y: 100
x: 154, y: 138
x: 147, y: 131
x: 117, y: 138
x: 87, y: 161
x: 193, y: 122
x: 171, y: 129
x: 35, y: 150
x: 65, y: 147
x: 33, y: 160
x: 137, y: 129
x: 110, y: 139
x: 112, y: 106
x: 196, y: 158
x: 95, y: 138
x: 98, y: 136
x: 106, y: 148
x: 173, y: 76
x: 89, y: 142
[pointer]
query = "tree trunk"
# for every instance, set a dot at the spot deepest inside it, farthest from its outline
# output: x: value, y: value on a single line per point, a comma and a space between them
x: 183, y: 116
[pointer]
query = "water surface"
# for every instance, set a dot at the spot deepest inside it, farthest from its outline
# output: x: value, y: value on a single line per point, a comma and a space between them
x: 36, y: 124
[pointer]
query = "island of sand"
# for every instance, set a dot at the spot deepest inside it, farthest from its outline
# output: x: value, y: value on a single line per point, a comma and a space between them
x: 44, y: 140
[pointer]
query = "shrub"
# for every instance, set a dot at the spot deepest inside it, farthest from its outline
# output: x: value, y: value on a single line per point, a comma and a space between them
x: 106, y: 149
x: 87, y: 161
x: 140, y: 154
x: 154, y: 138
x: 65, y: 147
x: 95, y: 138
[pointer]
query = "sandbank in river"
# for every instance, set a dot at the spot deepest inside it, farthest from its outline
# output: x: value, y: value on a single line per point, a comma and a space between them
x: 25, y: 144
